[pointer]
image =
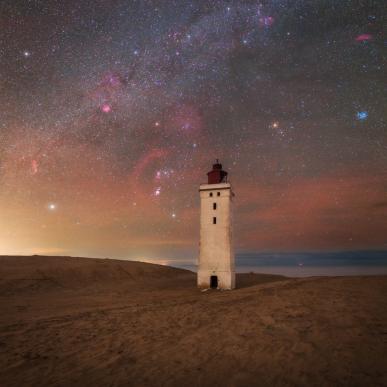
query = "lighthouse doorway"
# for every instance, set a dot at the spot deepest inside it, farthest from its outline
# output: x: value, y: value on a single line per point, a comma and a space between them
x: 214, y: 282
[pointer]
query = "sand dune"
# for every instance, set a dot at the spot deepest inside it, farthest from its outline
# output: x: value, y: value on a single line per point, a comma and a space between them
x: 38, y: 273
x: 75, y: 322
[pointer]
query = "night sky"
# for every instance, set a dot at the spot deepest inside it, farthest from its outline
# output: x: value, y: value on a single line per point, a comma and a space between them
x: 112, y: 112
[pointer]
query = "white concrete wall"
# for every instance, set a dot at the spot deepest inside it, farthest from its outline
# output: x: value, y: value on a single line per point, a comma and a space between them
x: 216, y: 248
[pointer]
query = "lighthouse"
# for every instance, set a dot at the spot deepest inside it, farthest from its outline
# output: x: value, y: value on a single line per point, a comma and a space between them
x: 216, y: 267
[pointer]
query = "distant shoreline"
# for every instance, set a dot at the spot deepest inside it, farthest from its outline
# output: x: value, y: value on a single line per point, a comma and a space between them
x: 306, y: 271
x: 291, y: 269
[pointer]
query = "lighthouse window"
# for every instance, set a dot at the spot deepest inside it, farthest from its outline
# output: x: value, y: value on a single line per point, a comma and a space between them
x: 218, y: 193
x: 210, y: 194
x: 214, y: 220
x: 214, y: 206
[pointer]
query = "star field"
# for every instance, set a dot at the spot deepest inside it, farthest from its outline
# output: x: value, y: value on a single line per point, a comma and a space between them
x: 112, y: 112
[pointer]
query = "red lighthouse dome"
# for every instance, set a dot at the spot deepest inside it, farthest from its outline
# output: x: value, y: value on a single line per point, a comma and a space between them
x: 217, y: 175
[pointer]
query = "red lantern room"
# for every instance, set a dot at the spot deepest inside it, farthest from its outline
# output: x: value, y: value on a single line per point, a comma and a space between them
x: 217, y: 175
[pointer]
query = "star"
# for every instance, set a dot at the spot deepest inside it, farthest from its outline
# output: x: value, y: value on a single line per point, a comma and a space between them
x: 34, y: 167
x: 52, y: 206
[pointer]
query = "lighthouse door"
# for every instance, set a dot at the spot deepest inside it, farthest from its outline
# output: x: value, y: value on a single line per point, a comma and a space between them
x: 214, y: 282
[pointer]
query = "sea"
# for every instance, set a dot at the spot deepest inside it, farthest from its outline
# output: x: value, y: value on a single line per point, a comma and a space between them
x: 307, y: 264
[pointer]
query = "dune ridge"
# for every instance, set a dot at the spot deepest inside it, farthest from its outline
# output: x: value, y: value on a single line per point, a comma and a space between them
x: 43, y: 273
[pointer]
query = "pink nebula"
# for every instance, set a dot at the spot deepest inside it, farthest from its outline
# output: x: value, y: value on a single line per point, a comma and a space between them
x: 106, y: 108
x: 364, y: 37
x: 266, y: 21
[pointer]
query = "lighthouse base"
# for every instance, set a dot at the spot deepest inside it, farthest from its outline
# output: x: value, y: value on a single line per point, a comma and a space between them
x: 223, y: 280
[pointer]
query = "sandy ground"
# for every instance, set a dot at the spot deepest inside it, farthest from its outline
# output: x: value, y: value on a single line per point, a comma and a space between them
x: 86, y: 322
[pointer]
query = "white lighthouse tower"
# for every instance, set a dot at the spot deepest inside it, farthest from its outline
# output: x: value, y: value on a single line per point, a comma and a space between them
x: 216, y: 260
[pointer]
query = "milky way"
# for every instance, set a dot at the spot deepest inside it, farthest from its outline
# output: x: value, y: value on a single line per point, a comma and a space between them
x: 112, y: 112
